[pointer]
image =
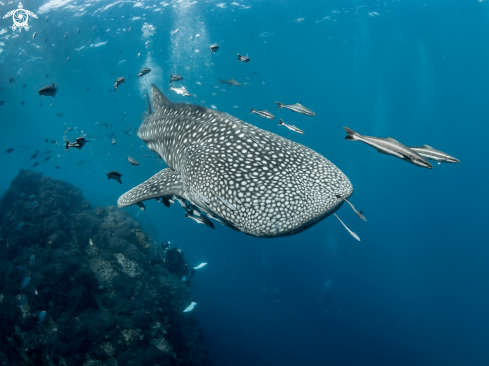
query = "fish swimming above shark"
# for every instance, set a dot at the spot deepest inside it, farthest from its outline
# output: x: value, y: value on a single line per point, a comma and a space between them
x: 297, y: 107
x: 389, y: 146
x: 49, y: 91
x: 428, y: 152
x: 182, y: 90
x: 247, y: 178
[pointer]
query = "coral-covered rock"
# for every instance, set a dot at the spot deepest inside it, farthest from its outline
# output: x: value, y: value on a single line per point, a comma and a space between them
x: 84, y: 286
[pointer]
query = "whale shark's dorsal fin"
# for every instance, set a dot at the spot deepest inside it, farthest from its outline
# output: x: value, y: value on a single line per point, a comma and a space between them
x: 158, y: 99
x: 165, y: 183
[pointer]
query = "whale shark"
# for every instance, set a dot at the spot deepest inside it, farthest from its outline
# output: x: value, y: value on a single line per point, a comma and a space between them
x: 247, y: 178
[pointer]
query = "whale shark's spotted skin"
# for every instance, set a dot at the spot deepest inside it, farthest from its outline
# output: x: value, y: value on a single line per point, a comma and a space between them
x: 258, y: 182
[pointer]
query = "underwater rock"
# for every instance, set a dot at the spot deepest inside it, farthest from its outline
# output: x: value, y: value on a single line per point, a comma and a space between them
x: 87, y: 286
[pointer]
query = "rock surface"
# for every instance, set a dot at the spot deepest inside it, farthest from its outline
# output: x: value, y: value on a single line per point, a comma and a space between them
x: 85, y: 286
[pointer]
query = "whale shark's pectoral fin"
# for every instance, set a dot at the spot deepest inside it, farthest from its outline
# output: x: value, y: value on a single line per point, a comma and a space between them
x: 165, y: 183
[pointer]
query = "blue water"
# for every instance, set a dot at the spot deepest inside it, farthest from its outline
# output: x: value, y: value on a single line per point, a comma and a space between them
x: 415, y: 290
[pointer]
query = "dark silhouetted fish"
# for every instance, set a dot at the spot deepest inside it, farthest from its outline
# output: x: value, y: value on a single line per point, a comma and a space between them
x: 23, y: 103
x: 35, y: 164
x: 23, y: 86
x: 9, y: 150
x: 57, y: 166
x: 141, y: 206
x: 115, y: 175
x: 118, y: 82
x: 143, y: 72
x: 49, y: 91
x: 214, y: 47
x: 175, y: 77
x: 2, y: 102
x: 79, y: 143
x: 298, y: 108
x: 11, y: 80
x: 59, y: 114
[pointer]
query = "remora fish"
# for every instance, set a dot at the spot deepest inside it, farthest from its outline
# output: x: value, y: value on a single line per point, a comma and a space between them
x: 230, y: 82
x: 49, y: 91
x: 243, y: 58
x: 298, y: 108
x: 229, y: 188
x: 181, y: 91
x: 143, y: 72
x: 200, y: 219
x: 264, y: 113
x: 34, y: 35
x: 200, y: 266
x: 132, y: 160
x: 389, y: 146
x: 428, y: 152
x: 118, y: 82
x: 291, y: 127
x: 175, y: 77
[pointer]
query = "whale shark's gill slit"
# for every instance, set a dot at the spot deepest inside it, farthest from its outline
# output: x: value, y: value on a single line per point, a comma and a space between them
x: 346, y: 227
x: 228, y: 205
x: 359, y: 213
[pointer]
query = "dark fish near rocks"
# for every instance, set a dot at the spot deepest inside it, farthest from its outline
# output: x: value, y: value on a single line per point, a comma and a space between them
x: 230, y: 82
x: 214, y: 47
x: 115, y: 175
x: 389, y: 146
x: 298, y: 108
x: 291, y: 127
x: 264, y: 113
x: 175, y: 77
x: 143, y: 72
x: 49, y: 91
x: 79, y: 143
x: 118, y: 82
x: 132, y: 160
x: 243, y: 58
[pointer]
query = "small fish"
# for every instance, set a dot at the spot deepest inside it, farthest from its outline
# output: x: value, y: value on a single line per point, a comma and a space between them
x: 230, y: 82
x: 200, y: 219
x: 34, y: 35
x: 291, y: 127
x: 79, y: 143
x: 214, y: 47
x: 132, y: 160
x: 46, y: 76
x: 143, y: 72
x: 172, y: 33
x: 243, y: 58
x: 35, y: 164
x: 175, y: 77
x: 68, y: 59
x: 130, y: 29
x: 9, y: 150
x: 428, y: 152
x: 113, y: 141
x: 299, y: 20
x: 118, y: 82
x: 200, y: 266
x: 23, y: 86
x: 359, y: 213
x: 47, y: 158
x: 49, y: 91
x: 264, y: 113
x: 346, y: 227
x: 59, y: 114
x: 34, y: 155
x: 139, y: 54
x: 190, y: 307
x: 298, y: 108
x: 78, y: 30
x: 115, y: 175
x: 181, y: 91
x: 90, y: 241
x: 51, y: 104
x: 141, y: 206
x: 57, y: 167
x: 23, y: 103
x: 11, y: 80
x: 2, y: 102
x: 389, y: 146
x: 45, y: 39
x: 66, y: 36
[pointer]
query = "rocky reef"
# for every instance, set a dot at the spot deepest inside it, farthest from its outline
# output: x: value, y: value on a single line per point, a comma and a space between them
x: 87, y: 286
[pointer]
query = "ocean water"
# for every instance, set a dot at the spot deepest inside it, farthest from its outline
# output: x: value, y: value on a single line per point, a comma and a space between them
x: 415, y: 290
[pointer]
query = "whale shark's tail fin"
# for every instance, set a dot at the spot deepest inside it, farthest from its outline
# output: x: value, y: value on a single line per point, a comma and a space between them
x: 352, y: 135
